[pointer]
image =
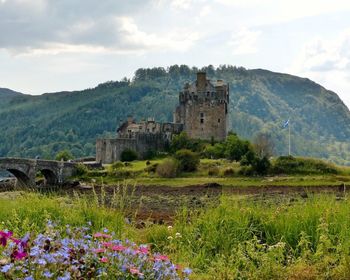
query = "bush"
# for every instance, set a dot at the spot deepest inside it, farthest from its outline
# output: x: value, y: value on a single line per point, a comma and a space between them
x: 81, y: 169
x: 128, y: 155
x: 261, y: 166
x: 213, y: 171
x: 168, y: 168
x: 229, y: 172
x: 188, y: 160
x: 216, y: 151
x: 292, y: 165
x: 236, y: 148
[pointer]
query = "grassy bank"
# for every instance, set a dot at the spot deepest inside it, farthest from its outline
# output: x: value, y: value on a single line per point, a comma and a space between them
x: 242, y: 238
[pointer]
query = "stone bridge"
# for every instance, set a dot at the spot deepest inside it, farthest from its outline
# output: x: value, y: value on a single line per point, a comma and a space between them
x: 25, y: 170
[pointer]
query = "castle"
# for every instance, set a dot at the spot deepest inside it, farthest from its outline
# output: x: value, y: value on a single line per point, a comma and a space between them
x: 202, y: 113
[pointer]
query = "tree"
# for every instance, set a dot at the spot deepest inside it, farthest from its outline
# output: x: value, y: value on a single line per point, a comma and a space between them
x: 263, y: 145
x: 64, y: 155
x: 236, y: 148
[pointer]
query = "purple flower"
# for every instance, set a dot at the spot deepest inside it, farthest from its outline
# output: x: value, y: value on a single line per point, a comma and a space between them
x: 6, y: 268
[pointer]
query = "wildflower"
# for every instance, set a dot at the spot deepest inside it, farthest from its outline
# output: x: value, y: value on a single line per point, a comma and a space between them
x: 134, y: 270
x: 142, y: 250
x: 19, y: 255
x: 170, y: 238
x: 170, y: 227
x: 66, y: 276
x: 161, y: 258
x: 29, y: 278
x: 119, y: 248
x: 47, y: 274
x: 187, y: 271
x: 6, y: 268
x: 104, y: 260
x: 99, y: 250
x: 4, y: 236
x: 102, y: 235
x: 107, y: 244
x: 178, y: 235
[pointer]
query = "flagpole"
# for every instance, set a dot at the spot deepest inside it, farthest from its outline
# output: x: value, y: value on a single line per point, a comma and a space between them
x: 289, y: 138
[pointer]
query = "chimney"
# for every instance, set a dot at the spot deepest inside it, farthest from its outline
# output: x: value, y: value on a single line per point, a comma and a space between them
x: 201, y: 81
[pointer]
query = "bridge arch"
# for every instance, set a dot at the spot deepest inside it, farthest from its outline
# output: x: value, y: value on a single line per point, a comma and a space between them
x: 22, y: 179
x: 50, y: 176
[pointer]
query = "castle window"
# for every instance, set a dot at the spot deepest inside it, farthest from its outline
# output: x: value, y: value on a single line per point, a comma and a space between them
x: 202, y: 117
x: 219, y: 120
x: 202, y: 120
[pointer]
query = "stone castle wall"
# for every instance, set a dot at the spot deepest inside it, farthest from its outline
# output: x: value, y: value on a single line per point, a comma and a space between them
x: 109, y: 150
x: 206, y: 120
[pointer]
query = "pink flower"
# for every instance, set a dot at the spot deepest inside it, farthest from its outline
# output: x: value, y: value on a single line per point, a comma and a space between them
x: 161, y: 258
x: 99, y: 250
x: 4, y: 236
x: 104, y: 260
x: 19, y: 255
x: 107, y: 244
x: 134, y: 270
x: 119, y: 248
x: 102, y: 235
x: 142, y: 250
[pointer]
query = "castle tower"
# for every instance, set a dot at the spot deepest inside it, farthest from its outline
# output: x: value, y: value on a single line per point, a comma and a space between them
x: 203, y: 108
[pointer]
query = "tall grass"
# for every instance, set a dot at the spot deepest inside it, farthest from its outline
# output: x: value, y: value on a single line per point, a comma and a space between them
x: 290, y: 238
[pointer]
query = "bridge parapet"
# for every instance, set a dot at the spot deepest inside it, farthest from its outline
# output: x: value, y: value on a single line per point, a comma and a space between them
x: 25, y: 170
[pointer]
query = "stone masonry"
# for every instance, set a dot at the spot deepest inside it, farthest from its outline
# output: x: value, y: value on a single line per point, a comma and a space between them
x: 202, y: 113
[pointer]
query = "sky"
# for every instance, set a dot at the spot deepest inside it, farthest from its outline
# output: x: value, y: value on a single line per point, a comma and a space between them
x: 55, y: 45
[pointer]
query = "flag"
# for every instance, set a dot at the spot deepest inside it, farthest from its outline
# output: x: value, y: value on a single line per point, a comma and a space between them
x: 285, y: 124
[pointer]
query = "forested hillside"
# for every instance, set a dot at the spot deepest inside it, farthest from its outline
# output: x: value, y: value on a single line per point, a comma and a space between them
x: 260, y: 101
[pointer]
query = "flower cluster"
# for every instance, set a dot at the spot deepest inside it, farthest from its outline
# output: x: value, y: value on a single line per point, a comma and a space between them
x: 78, y: 254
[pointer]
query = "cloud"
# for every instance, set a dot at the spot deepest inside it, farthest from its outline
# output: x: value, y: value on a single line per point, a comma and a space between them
x: 244, y: 41
x: 327, y: 61
x: 43, y: 26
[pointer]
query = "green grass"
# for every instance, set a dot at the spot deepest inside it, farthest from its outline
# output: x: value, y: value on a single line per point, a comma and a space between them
x: 241, y: 238
x: 135, y: 172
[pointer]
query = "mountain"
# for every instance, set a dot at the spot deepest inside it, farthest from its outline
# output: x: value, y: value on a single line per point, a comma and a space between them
x: 7, y: 94
x: 260, y: 100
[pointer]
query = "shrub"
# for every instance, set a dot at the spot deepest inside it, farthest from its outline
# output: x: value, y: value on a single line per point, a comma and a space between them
x: 128, y: 155
x: 214, y: 151
x: 292, y: 165
x: 229, y: 172
x: 249, y: 158
x: 168, y: 168
x: 188, y: 160
x: 236, y: 148
x: 81, y: 169
x: 213, y: 171
x: 261, y: 166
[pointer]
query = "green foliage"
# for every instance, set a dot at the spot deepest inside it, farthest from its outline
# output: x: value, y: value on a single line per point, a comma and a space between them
x: 260, y: 101
x: 188, y: 160
x: 294, y: 165
x: 261, y: 166
x: 236, y: 148
x: 168, y: 168
x: 182, y: 141
x: 128, y: 155
x: 64, y: 155
x: 81, y: 169
x: 214, y: 151
x: 213, y: 171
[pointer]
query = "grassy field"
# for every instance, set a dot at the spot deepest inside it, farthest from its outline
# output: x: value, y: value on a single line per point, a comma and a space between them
x: 241, y: 238
x: 136, y: 171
